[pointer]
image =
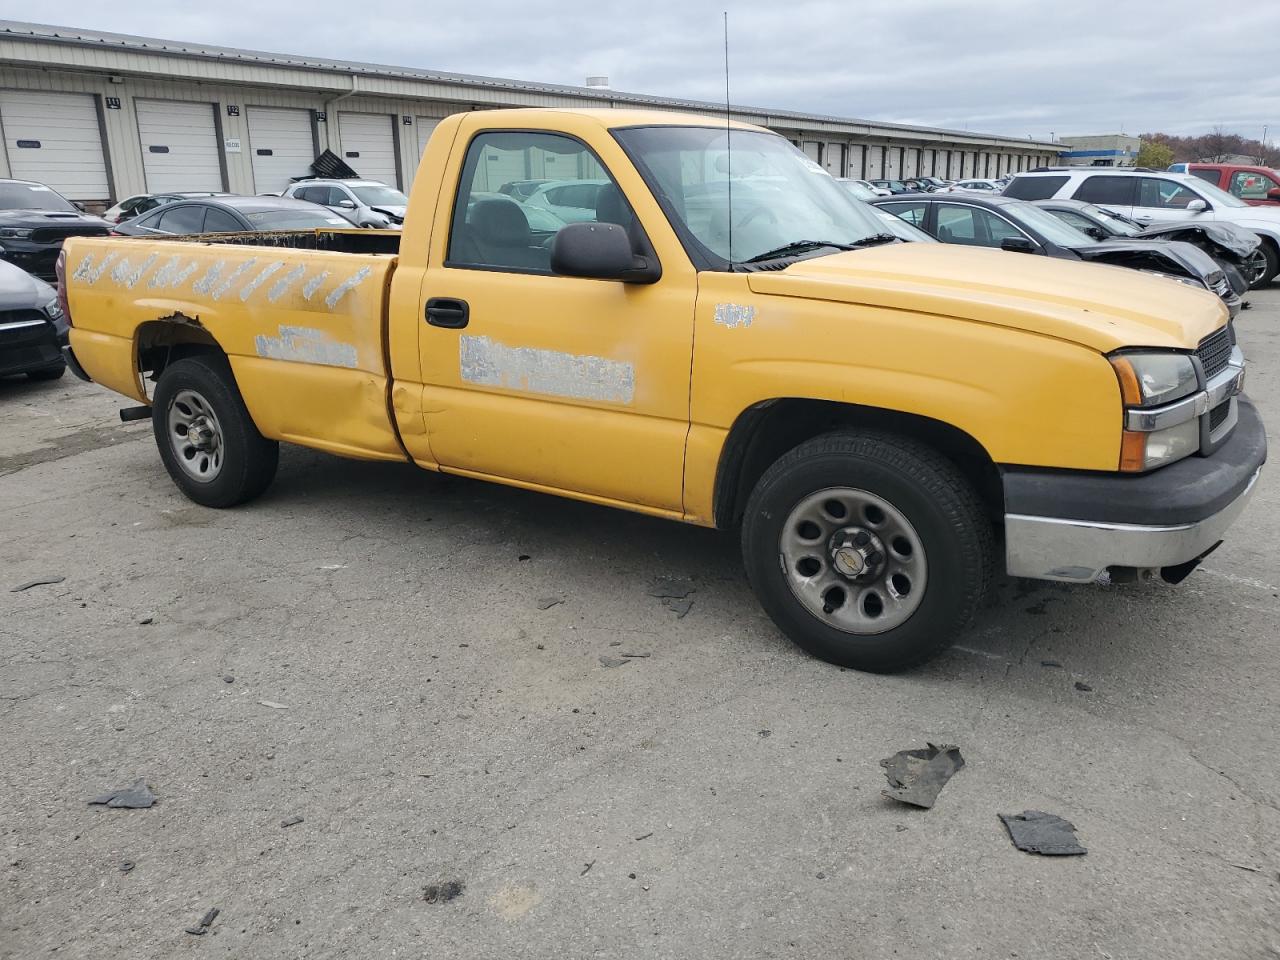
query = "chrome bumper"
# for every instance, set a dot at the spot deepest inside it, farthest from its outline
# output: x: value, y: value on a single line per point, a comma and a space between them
x: 1080, y: 551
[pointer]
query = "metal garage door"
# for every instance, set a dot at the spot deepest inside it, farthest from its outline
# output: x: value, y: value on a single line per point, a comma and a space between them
x: 281, y: 146
x: 425, y: 126
x: 180, y: 149
x: 854, y: 163
x: 54, y: 138
x: 813, y: 150
x: 833, y: 159
x: 875, y: 162
x: 369, y: 145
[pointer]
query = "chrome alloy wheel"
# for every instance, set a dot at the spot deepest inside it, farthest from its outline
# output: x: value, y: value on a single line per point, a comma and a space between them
x: 853, y: 560
x: 1254, y: 267
x: 196, y: 436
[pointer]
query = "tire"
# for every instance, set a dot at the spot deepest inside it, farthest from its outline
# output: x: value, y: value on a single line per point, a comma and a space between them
x: 1273, y: 266
x: 48, y: 373
x: 938, y: 544
x: 207, y: 440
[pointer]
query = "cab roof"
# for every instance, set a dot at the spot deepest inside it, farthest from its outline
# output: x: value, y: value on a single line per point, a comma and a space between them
x: 615, y: 119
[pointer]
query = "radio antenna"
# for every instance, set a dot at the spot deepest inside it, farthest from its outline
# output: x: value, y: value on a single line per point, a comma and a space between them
x: 728, y: 135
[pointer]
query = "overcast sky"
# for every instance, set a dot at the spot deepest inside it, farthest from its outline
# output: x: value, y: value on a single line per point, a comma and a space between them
x: 1018, y: 67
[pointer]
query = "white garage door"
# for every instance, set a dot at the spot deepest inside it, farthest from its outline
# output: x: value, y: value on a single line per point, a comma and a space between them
x: 833, y: 159
x: 875, y: 162
x: 54, y: 138
x: 280, y: 146
x: 426, y: 125
x: 180, y: 148
x: 855, y: 161
x: 369, y: 146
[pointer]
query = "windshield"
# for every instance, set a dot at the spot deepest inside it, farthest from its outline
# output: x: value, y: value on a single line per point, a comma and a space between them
x: 1213, y: 194
x: 1047, y: 225
x: 380, y: 196
x: 294, y: 219
x: 31, y: 196
x: 779, y: 196
x: 1121, y: 225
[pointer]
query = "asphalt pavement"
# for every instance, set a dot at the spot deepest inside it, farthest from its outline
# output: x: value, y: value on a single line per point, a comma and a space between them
x: 411, y: 665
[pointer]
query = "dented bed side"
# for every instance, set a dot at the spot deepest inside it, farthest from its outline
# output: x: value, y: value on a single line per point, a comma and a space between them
x: 303, y: 329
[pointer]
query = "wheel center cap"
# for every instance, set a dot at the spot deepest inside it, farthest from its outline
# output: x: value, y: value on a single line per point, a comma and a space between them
x: 849, y: 561
x: 201, y: 434
x: 856, y: 554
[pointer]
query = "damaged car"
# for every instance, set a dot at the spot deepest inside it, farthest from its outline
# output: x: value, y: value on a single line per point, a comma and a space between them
x: 1021, y: 227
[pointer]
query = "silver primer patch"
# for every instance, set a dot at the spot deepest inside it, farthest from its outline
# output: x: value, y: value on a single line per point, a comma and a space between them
x: 205, y: 283
x: 260, y: 279
x: 306, y: 345
x: 121, y: 271
x: 281, y: 286
x: 86, y: 271
x: 552, y: 373
x: 311, y: 286
x: 162, y: 276
x: 131, y: 280
x: 734, y: 315
x: 342, y: 289
x: 235, y: 275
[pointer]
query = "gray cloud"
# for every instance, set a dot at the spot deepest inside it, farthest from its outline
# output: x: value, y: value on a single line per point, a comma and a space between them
x: 1022, y: 68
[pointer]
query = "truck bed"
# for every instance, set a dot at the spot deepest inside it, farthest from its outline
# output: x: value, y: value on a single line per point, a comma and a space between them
x: 301, y: 317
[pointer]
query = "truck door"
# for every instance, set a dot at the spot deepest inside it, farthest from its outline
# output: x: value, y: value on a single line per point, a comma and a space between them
x: 558, y: 383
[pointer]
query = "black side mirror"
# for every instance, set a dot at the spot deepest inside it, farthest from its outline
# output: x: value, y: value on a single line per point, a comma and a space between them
x: 600, y: 251
x: 1096, y: 232
x: 1017, y: 245
x: 78, y: 205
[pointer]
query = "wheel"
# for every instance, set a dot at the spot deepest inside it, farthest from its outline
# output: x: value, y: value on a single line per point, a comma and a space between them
x: 867, y: 550
x: 207, y: 439
x: 1261, y: 268
x: 48, y: 373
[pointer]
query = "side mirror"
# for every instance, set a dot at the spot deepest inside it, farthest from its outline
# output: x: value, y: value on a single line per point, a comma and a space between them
x: 1197, y: 206
x: 1097, y: 233
x: 1017, y: 245
x: 346, y: 204
x: 1274, y: 194
x: 600, y: 251
x: 78, y: 205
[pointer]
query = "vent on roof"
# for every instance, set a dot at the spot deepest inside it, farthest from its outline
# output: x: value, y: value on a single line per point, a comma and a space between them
x: 598, y: 83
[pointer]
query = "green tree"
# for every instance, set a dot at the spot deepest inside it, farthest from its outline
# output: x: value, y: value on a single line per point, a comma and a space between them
x: 1154, y: 156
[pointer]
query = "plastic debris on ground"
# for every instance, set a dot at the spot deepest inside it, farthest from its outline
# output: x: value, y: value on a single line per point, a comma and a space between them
x: 201, y: 928
x: 916, y: 777
x: 136, y: 797
x: 1043, y: 833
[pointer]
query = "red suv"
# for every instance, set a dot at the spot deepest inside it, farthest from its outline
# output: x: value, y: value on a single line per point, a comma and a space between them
x: 1256, y: 186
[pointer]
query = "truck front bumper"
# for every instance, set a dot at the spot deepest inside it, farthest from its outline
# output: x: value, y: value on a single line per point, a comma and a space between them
x: 1074, y: 526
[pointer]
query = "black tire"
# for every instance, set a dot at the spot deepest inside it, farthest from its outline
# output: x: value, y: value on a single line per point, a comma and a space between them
x: 248, y: 460
x: 943, y: 510
x: 48, y: 373
x: 1273, y: 265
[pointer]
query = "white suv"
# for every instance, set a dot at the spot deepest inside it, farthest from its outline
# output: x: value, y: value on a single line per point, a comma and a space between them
x: 367, y: 202
x: 1150, y: 196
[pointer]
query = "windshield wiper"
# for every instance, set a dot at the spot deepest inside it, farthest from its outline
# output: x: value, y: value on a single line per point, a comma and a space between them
x: 874, y: 240
x: 797, y: 246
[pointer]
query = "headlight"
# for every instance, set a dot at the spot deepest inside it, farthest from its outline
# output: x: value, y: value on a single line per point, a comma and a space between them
x: 53, y: 309
x: 1150, y: 379
x: 15, y: 233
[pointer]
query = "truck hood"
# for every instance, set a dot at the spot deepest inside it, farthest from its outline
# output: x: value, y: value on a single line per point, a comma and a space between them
x: 1097, y: 306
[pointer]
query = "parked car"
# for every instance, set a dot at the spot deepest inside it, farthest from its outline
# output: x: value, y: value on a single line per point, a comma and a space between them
x: 140, y: 203
x: 861, y: 190
x: 34, y: 220
x: 988, y: 187
x: 932, y: 184
x: 522, y: 189
x: 1015, y: 225
x: 1237, y: 251
x: 893, y: 186
x: 573, y: 201
x: 233, y: 215
x: 368, y: 203
x: 866, y: 185
x: 1256, y: 186
x: 33, y: 329
x: 1150, y: 197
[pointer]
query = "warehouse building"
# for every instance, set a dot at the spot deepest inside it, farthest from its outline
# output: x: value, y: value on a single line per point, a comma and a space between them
x: 1104, y: 150
x: 102, y: 116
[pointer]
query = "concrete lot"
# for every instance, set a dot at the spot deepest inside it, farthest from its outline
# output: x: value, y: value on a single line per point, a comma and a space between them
x: 718, y: 797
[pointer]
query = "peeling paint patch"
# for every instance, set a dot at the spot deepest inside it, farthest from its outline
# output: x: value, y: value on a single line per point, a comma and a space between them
x: 552, y: 373
x: 131, y: 279
x: 311, y: 286
x: 281, y: 286
x: 734, y: 315
x: 260, y: 279
x: 342, y: 289
x: 306, y: 345
x: 205, y: 283
x: 121, y: 271
x: 86, y: 272
x: 232, y: 277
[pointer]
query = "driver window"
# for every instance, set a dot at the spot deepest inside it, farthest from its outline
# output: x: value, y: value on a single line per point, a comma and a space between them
x: 518, y: 189
x: 1250, y: 185
x: 1163, y: 193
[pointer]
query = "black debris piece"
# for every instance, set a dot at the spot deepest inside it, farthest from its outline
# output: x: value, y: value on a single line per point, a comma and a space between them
x: 764, y: 733
x: 443, y: 892
x: 37, y: 583
x: 126, y: 866
x: 1043, y: 833
x: 291, y: 821
x: 136, y: 797
x: 917, y: 776
x: 680, y: 607
x: 199, y: 929
x: 671, y: 589
x: 643, y: 836
x: 607, y: 661
x: 1050, y: 663
x: 546, y: 603
x: 634, y: 656
x: 586, y: 868
x: 146, y: 621
x: 228, y: 679
x: 523, y: 557
x: 1083, y: 687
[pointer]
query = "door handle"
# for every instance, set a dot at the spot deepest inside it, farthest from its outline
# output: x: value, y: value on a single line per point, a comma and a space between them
x: 448, y: 312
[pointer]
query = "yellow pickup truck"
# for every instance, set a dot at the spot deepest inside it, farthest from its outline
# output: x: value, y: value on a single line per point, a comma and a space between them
x: 671, y: 314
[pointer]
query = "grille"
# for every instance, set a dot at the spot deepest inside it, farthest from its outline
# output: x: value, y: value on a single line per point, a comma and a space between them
x: 1218, y: 414
x: 58, y: 233
x: 1214, y: 352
